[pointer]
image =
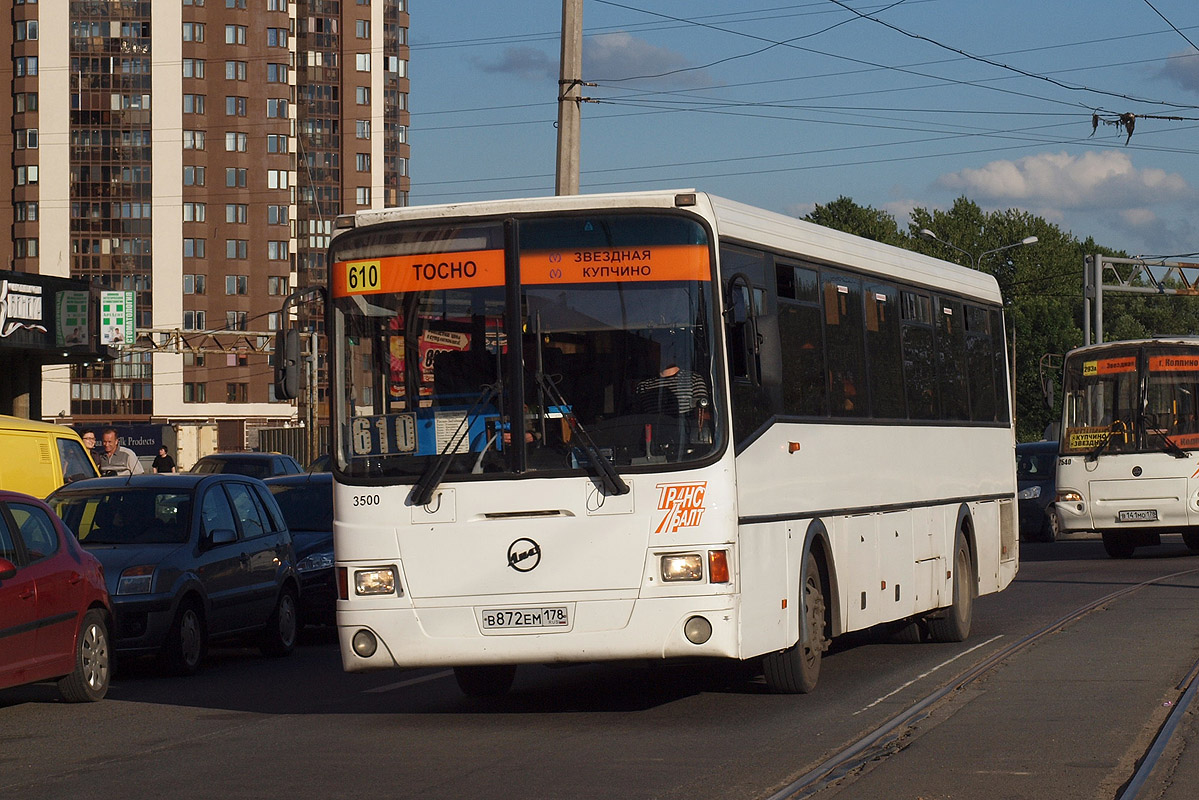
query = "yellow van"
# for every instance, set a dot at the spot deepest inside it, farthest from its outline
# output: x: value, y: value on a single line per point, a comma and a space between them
x: 38, y: 457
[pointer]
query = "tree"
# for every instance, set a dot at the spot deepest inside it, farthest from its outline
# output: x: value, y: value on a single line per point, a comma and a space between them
x: 844, y: 214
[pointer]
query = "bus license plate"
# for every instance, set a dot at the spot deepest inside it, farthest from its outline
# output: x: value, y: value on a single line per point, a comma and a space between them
x: 1138, y: 515
x: 512, y: 618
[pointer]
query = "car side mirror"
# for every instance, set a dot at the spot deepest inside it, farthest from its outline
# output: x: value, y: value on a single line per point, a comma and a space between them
x: 7, y: 569
x: 222, y: 536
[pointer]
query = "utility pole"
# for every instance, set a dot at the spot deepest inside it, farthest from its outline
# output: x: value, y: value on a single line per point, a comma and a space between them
x: 570, y: 98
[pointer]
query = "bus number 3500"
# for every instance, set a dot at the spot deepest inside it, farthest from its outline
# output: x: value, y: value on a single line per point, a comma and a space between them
x: 367, y: 500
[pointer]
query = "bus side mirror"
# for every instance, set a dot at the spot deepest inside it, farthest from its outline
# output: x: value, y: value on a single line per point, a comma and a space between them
x: 741, y: 320
x: 1048, y: 391
x: 287, y: 364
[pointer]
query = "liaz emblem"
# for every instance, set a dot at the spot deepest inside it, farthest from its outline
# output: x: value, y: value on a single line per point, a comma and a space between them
x: 524, y: 555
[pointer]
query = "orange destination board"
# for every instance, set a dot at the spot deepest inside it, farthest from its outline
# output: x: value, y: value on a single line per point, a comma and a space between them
x: 1110, y: 366
x: 684, y: 262
x: 419, y: 273
x: 1181, y: 363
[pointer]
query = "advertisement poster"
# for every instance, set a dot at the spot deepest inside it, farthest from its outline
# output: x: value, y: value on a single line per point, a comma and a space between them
x: 116, y: 317
x: 72, y: 318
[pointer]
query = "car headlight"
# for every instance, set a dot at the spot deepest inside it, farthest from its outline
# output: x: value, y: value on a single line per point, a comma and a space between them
x: 315, y: 561
x: 1031, y: 493
x: 136, y: 580
x: 375, y: 581
x: 683, y: 567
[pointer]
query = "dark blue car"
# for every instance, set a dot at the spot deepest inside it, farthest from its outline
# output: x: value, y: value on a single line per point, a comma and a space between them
x: 188, y: 558
x: 1036, y: 488
x: 307, y: 505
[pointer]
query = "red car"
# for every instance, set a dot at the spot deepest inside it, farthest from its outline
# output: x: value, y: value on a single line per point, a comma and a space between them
x: 54, y: 608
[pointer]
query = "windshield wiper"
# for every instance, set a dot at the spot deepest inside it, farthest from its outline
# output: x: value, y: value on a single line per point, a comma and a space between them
x: 601, y: 465
x: 430, y: 479
x: 1170, y: 446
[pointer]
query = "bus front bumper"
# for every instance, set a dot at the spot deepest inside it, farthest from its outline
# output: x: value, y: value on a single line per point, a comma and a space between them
x: 596, y: 630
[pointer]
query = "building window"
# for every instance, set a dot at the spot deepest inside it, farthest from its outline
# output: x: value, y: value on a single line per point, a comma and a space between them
x: 362, y: 28
x: 276, y: 73
x: 235, y: 34
x: 25, y: 101
x: 193, y: 320
x: 193, y: 104
x: 25, y: 211
x: 195, y: 392
x: 26, y: 139
x: 235, y: 177
x: 238, y: 213
x: 194, y: 284
x: 362, y: 128
x: 236, y: 141
x: 276, y: 107
x: 235, y: 106
x: 363, y: 195
x: 193, y: 31
x: 26, y: 30
x: 193, y: 68
x: 362, y: 62
x: 277, y: 251
x: 194, y: 248
x: 235, y: 4
x: 276, y: 285
x: 272, y: 320
x: 362, y: 95
x: 27, y: 175
x: 193, y: 176
x: 276, y: 215
x: 276, y: 143
x: 235, y: 70
x: 237, y: 392
x: 237, y: 284
x: 276, y: 37
x: 276, y: 178
x: 236, y: 320
x: 362, y: 162
x: 194, y: 212
x: 193, y: 140
x: 26, y: 248
x: 235, y: 248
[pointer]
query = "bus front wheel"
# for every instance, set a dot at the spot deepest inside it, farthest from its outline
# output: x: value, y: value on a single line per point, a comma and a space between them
x: 796, y: 669
x: 488, y: 681
x: 952, y: 624
x: 1117, y: 545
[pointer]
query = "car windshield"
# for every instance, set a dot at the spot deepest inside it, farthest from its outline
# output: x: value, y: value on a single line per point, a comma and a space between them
x: 252, y: 469
x: 1035, y: 466
x: 127, y: 516
x: 306, y: 506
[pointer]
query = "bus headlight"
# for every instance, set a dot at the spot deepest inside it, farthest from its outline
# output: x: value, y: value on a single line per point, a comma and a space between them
x: 684, y: 567
x: 375, y: 581
x: 1069, y: 496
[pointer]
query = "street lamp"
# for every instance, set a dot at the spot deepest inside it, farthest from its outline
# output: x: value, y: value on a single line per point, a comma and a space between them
x: 975, y: 260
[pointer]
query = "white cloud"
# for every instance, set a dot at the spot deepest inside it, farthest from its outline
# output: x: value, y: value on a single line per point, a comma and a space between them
x: 525, y: 62
x: 1182, y: 69
x: 1092, y: 180
x: 621, y: 56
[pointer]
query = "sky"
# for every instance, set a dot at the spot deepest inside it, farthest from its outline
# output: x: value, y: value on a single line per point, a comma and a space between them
x: 897, y: 105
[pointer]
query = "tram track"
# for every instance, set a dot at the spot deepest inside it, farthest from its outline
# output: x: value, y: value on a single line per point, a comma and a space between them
x: 880, y: 742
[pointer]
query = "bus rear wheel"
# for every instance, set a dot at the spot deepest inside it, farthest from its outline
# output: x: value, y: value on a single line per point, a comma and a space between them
x: 488, y: 681
x: 796, y: 669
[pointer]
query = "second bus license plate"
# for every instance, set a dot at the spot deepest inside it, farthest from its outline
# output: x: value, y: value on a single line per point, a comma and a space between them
x: 515, y: 618
x: 1138, y: 515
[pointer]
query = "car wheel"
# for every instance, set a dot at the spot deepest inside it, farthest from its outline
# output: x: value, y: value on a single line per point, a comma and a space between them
x: 796, y: 669
x: 88, y: 682
x: 1118, y: 546
x: 1053, y: 527
x: 952, y: 624
x: 282, y: 629
x: 489, y: 681
x: 186, y: 641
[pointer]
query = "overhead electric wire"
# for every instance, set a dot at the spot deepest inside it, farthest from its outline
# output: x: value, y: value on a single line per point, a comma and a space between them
x: 1171, y: 24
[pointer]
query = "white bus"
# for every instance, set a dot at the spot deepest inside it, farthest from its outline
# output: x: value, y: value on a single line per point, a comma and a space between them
x: 656, y: 425
x: 1128, y: 462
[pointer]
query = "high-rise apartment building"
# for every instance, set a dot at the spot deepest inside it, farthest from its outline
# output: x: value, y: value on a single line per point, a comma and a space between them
x: 195, y: 153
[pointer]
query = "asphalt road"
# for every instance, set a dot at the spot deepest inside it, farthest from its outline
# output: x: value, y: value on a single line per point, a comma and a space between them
x: 1067, y: 717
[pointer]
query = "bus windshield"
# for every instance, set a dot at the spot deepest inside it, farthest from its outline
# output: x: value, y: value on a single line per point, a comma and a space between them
x: 540, y: 345
x: 1132, y: 399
